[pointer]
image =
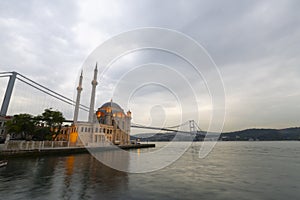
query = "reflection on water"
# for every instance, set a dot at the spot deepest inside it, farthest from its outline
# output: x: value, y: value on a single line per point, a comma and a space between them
x: 136, y: 162
x: 234, y: 170
x: 71, y: 177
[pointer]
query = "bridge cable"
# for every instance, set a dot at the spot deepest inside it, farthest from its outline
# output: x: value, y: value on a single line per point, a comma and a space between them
x: 70, y: 103
x: 83, y: 106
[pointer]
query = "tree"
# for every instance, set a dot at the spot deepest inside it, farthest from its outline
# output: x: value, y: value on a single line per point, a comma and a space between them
x: 53, y: 120
x: 22, y: 125
x: 42, y: 127
x: 42, y: 133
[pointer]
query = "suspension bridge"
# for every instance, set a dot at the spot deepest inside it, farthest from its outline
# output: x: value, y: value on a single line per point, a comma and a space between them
x: 13, y: 76
x: 193, y: 128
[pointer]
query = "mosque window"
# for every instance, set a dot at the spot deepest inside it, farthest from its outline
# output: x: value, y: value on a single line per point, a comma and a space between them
x: 96, y: 130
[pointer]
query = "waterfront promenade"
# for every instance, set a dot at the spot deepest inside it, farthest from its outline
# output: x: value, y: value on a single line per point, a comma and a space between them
x: 40, y: 148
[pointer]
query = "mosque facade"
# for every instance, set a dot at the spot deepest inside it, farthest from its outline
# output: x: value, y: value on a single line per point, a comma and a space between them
x: 108, y: 124
x: 114, y: 122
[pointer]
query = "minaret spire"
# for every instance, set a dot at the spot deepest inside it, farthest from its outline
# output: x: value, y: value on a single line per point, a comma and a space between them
x: 92, y: 103
x: 79, y: 89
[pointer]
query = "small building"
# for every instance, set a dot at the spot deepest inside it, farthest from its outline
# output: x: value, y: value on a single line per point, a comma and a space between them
x: 68, y: 133
x: 90, y: 134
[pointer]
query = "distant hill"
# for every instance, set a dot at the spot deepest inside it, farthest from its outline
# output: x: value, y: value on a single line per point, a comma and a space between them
x: 243, y: 135
x: 263, y: 134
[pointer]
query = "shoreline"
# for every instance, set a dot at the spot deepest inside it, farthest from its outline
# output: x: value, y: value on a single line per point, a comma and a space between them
x: 65, y: 151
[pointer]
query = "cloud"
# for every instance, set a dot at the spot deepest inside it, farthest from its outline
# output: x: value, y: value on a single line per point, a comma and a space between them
x: 255, y: 44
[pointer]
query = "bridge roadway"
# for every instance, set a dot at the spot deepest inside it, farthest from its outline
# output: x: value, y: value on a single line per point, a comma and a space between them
x: 158, y: 128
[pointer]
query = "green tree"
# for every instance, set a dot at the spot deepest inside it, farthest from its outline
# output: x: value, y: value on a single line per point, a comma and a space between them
x: 42, y: 127
x: 42, y: 133
x: 52, y: 119
x: 22, y: 125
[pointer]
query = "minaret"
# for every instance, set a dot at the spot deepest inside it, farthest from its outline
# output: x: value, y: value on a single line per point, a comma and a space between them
x: 92, y: 103
x: 79, y: 89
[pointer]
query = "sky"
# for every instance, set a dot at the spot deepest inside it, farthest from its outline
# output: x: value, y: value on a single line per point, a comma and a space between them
x: 254, y: 44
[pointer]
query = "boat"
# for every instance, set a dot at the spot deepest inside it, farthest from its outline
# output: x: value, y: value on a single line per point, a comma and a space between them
x: 3, y: 163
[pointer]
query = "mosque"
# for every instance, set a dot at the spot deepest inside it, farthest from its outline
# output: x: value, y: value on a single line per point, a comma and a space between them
x: 108, y: 124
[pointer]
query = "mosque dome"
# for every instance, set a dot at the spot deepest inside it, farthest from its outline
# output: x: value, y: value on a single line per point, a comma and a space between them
x: 110, y: 107
x: 114, y: 106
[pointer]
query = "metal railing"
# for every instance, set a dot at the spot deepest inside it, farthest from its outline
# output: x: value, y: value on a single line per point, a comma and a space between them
x: 34, y: 145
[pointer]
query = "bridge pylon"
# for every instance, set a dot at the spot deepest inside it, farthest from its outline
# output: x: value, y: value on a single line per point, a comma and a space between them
x: 8, y: 93
x: 193, y: 128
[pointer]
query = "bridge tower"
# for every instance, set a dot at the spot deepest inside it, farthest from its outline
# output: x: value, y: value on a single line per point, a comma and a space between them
x: 193, y: 128
x: 79, y: 89
x: 93, y: 94
x: 8, y: 93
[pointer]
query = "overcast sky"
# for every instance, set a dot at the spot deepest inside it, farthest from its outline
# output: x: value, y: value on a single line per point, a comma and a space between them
x: 255, y: 45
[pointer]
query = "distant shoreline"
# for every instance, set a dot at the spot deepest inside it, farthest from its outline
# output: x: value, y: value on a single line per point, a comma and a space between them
x: 287, y: 134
